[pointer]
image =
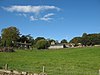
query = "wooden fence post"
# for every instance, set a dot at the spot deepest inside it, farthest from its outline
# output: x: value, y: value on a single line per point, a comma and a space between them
x: 6, y: 67
x: 43, y: 69
x: 99, y: 71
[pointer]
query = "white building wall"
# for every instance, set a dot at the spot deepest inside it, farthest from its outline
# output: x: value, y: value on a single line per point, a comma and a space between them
x: 55, y: 47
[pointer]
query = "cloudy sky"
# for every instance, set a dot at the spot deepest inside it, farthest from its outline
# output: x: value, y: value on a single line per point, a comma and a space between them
x: 56, y: 19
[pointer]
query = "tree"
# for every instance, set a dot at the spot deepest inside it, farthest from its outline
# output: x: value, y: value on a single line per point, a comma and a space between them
x: 0, y: 42
x: 23, y: 38
x: 26, y: 38
x: 76, y: 40
x: 84, y: 34
x: 42, y: 44
x: 30, y: 39
x: 38, y: 38
x: 64, y: 41
x: 93, y: 39
x: 9, y: 36
x: 51, y: 40
x: 85, y: 40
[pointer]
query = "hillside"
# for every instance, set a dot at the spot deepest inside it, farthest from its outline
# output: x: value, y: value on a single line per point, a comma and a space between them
x: 69, y: 61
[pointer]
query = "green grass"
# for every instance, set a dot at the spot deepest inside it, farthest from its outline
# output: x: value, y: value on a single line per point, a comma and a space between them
x: 73, y: 61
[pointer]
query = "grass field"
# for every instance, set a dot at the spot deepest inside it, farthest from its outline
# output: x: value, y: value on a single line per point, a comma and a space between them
x: 71, y: 61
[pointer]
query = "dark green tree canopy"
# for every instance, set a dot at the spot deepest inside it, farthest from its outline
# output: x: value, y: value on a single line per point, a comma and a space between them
x: 84, y: 34
x: 87, y: 39
x: 91, y: 39
x: 64, y: 41
x: 26, y: 38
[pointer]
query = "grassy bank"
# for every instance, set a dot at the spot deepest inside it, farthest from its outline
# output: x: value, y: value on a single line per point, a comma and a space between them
x: 73, y: 61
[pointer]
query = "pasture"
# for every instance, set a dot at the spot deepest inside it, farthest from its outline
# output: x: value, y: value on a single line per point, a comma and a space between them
x: 68, y: 61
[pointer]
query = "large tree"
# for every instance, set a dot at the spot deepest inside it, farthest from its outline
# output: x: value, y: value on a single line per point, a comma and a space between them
x: 9, y: 36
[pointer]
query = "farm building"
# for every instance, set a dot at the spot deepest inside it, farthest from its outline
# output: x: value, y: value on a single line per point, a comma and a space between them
x: 60, y: 45
x: 23, y: 45
x: 57, y: 46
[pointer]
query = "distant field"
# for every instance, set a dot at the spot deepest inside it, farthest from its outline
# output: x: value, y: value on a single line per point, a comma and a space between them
x: 73, y: 61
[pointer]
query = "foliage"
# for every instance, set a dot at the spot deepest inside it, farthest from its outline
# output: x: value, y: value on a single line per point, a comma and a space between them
x: 22, y: 39
x: 26, y: 38
x: 87, y: 39
x: 38, y: 38
x: 76, y: 40
x: 51, y: 40
x: 84, y: 34
x: 0, y: 42
x: 42, y: 44
x: 64, y: 41
x: 91, y: 39
x: 68, y: 61
x: 9, y: 36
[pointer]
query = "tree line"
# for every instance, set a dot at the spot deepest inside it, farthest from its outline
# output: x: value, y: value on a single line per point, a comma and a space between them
x: 87, y: 39
x: 10, y: 36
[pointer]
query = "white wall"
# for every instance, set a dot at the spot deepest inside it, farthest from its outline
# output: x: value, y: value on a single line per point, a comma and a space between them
x: 56, y: 47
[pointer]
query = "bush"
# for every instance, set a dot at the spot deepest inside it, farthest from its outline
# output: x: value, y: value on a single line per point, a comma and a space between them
x: 42, y: 44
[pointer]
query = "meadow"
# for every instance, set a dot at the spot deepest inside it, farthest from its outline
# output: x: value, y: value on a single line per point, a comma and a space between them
x: 68, y: 61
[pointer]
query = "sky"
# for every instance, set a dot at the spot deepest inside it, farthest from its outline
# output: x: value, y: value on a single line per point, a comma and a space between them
x: 54, y: 19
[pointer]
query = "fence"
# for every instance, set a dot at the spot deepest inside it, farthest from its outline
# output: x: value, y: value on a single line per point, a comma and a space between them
x: 5, y: 71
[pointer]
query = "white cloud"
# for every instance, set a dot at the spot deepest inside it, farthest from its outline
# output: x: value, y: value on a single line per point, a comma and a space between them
x: 33, y: 12
x: 32, y: 18
x: 23, y: 14
x: 30, y: 9
x: 46, y: 17
x: 49, y: 14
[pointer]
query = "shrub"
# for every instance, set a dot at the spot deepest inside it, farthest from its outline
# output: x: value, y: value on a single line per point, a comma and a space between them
x: 42, y: 44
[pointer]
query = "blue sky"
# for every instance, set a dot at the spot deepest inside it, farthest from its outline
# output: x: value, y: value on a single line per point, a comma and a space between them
x: 55, y: 19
